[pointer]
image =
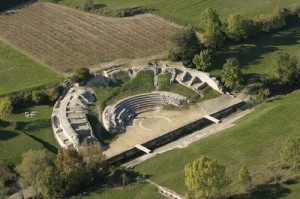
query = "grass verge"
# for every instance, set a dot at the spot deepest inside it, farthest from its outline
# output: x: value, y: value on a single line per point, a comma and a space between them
x: 19, y: 72
x: 34, y: 133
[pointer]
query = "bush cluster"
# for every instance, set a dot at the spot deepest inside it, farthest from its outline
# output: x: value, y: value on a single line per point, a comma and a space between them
x: 38, y: 96
x: 6, y: 4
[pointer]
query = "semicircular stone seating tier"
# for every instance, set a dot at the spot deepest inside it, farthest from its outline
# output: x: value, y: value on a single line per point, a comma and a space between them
x: 191, y: 78
x: 115, y: 118
x: 69, y: 121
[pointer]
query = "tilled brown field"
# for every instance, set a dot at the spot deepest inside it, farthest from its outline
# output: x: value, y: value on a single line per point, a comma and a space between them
x: 64, y: 38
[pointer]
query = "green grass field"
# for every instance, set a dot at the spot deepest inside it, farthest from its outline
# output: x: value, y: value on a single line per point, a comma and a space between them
x: 255, y: 56
x: 19, y: 72
x: 255, y: 139
x: 135, y: 191
x: 189, y: 12
x: 34, y: 133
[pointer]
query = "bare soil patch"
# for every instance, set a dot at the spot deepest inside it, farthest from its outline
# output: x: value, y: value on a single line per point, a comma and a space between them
x: 65, y: 38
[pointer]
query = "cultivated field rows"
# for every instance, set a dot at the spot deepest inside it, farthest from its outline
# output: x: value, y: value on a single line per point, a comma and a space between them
x: 64, y: 38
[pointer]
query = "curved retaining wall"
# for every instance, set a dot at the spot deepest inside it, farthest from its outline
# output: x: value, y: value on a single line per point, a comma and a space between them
x: 134, y: 105
x: 175, y: 134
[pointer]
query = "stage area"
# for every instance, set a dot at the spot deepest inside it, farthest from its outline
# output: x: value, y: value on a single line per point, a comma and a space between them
x: 152, y: 124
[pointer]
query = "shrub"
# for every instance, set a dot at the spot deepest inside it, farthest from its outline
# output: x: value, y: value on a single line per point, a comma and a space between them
x: 231, y: 75
x: 285, y: 67
x: 6, y: 107
x: 203, y: 60
x: 83, y: 73
x: 87, y: 5
x: 38, y: 96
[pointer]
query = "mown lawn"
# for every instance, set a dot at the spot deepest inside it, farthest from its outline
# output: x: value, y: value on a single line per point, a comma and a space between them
x: 18, y: 72
x: 135, y: 191
x: 35, y: 133
x: 255, y: 139
x: 255, y: 56
x: 188, y: 12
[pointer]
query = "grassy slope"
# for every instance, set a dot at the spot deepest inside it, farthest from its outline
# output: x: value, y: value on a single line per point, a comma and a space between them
x: 257, y: 138
x: 143, y: 190
x: 255, y: 55
x: 164, y: 85
x: 36, y: 133
x: 18, y: 72
x: 142, y: 83
x: 189, y: 12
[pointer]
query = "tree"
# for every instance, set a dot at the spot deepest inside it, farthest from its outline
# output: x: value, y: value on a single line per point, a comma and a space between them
x: 203, y: 60
x: 95, y: 159
x: 231, y: 75
x: 290, y: 153
x: 205, y: 178
x: 212, y: 26
x: 285, y: 67
x: 183, y: 46
x: 236, y: 27
x: 245, y: 178
x: 72, y: 170
x: 52, y: 93
x: 83, y: 73
x: 33, y: 167
x: 278, y: 19
x: 262, y: 94
x: 6, y: 107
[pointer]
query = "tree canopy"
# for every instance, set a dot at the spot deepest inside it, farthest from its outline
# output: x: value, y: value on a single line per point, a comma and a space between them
x: 236, y: 27
x: 290, y: 153
x: 71, y: 169
x: 6, y: 107
x: 231, y: 75
x: 203, y: 60
x: 83, y: 73
x: 212, y: 26
x: 285, y: 67
x: 34, y: 167
x: 183, y: 46
x: 205, y: 178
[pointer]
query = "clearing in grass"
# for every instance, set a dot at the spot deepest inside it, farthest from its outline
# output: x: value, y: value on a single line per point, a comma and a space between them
x: 19, y: 72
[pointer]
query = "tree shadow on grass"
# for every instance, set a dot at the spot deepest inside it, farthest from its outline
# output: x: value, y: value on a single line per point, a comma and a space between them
x: 47, y: 145
x: 266, y: 191
x: 5, y: 134
x: 252, y: 51
x: 36, y: 125
x: 99, y: 5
